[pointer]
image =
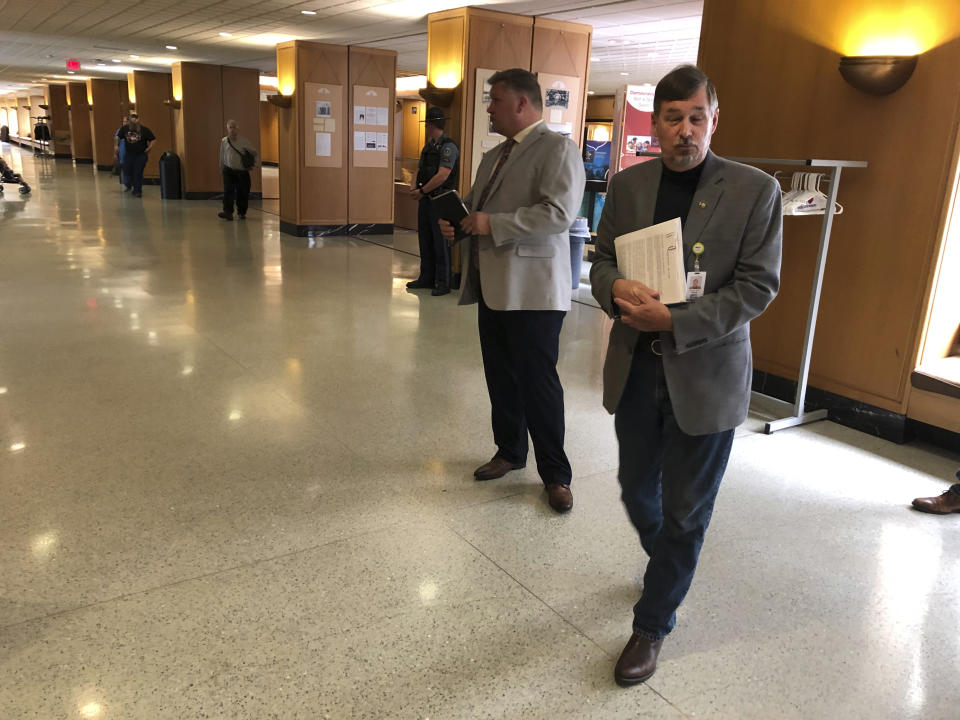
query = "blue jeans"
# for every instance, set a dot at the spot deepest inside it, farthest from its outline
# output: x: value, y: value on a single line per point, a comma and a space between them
x: 133, y: 166
x: 669, y: 482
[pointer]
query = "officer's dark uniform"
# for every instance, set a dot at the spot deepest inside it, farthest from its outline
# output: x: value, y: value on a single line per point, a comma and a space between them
x: 434, y: 249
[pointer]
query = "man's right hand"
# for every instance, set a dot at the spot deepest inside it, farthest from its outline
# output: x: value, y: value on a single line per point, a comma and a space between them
x: 633, y: 291
x: 446, y: 229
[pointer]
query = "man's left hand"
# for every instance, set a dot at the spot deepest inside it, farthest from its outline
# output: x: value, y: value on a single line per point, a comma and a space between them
x: 648, y: 316
x: 476, y: 223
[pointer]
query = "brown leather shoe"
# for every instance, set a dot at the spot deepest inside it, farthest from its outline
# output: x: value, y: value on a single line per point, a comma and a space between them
x: 496, y: 468
x: 948, y: 502
x: 560, y: 497
x: 638, y: 661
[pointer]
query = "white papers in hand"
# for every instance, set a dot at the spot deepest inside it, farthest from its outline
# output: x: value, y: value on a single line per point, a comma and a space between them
x: 654, y: 256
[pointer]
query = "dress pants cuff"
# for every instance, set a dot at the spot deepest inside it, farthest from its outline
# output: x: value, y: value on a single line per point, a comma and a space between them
x: 646, y: 634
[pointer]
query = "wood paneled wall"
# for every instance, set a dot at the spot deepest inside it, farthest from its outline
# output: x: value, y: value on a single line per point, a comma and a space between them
x: 59, y: 112
x: 81, y: 141
x: 199, y: 129
x: 24, y: 124
x: 240, y: 90
x: 107, y: 114
x: 472, y: 38
x: 782, y: 96
x: 563, y: 48
x: 412, y: 127
x: 600, y: 108
x: 269, y: 147
x: 371, y: 192
x: 150, y: 90
x: 311, y: 195
x: 497, y: 41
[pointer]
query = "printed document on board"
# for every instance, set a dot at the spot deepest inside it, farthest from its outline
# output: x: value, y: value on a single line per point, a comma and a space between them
x: 654, y: 256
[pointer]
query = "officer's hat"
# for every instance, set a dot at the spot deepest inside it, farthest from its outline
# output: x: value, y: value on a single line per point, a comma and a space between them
x: 435, y: 113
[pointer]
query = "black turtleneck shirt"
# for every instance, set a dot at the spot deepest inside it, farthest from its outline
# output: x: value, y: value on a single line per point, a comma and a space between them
x: 675, y: 194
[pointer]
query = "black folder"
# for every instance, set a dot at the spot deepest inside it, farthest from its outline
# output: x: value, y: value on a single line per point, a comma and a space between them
x: 449, y: 206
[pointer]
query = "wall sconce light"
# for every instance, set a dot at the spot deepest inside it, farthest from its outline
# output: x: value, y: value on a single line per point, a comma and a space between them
x: 172, y: 103
x: 441, y: 97
x: 283, y: 101
x: 878, y: 74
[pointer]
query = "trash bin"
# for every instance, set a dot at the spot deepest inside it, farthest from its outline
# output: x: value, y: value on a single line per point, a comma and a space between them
x: 579, y: 234
x: 4, y: 134
x: 170, y: 176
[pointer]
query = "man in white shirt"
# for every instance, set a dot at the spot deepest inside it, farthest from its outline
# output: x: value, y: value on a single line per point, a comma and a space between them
x: 237, y: 158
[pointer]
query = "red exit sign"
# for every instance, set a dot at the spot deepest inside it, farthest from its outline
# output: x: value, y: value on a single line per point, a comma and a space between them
x: 73, y: 65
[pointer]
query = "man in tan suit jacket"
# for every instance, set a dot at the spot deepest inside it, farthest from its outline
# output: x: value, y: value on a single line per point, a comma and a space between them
x: 517, y: 269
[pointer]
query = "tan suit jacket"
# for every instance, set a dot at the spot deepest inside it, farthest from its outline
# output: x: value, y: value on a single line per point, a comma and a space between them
x: 525, y: 260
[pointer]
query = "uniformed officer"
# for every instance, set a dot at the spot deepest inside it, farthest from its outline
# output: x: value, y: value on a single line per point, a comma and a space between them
x: 436, y: 173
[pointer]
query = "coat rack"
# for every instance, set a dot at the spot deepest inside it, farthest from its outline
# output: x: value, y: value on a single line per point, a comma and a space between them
x: 796, y: 415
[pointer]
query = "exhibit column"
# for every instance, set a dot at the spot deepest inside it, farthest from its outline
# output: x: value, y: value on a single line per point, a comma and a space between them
x: 81, y: 142
x: 147, y: 92
x: 312, y: 127
x: 108, y: 111
x: 370, y: 175
x: 59, y: 122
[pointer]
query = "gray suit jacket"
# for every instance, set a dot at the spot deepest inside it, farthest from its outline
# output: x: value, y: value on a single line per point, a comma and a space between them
x: 707, y: 359
x: 525, y: 261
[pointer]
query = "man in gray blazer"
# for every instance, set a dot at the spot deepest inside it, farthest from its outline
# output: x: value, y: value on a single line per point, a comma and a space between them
x: 525, y: 197
x: 678, y: 378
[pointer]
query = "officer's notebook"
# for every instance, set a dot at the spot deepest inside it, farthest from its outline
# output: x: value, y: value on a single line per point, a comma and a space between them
x: 654, y: 256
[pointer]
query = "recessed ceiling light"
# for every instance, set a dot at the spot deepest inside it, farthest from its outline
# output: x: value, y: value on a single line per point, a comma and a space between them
x: 116, y: 60
x: 70, y: 72
x: 134, y: 56
x: 594, y: 59
x: 171, y: 47
x: 589, y: 92
x: 624, y: 73
x: 308, y: 12
x: 225, y: 34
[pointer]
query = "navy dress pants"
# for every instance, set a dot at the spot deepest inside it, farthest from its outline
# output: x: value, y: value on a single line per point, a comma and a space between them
x: 520, y: 350
x: 434, y: 249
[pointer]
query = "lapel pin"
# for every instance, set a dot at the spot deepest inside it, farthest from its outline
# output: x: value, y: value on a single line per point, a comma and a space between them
x: 702, y: 204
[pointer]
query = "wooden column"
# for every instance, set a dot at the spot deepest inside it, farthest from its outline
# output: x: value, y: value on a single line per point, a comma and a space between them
x: 269, y: 148
x: 146, y: 92
x: 208, y: 96
x: 241, y: 101
x: 199, y: 127
x: 107, y: 114
x: 59, y: 112
x: 313, y: 189
x: 24, y: 126
x: 370, y: 175
x: 81, y: 142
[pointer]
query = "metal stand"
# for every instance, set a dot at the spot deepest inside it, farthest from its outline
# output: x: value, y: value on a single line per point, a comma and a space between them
x: 797, y: 416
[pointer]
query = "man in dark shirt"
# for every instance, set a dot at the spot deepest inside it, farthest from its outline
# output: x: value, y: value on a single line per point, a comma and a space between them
x: 678, y: 378
x: 137, y: 141
x: 436, y: 173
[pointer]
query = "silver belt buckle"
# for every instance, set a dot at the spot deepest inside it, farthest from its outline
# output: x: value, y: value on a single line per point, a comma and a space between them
x: 655, y: 347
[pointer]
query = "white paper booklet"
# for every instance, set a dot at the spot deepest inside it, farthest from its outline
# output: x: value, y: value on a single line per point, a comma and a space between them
x: 654, y: 256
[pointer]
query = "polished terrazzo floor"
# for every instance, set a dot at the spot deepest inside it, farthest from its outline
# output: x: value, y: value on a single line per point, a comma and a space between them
x: 235, y: 482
